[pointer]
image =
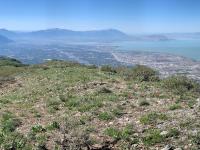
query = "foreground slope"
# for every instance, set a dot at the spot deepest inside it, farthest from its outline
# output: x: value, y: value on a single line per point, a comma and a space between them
x: 65, y: 105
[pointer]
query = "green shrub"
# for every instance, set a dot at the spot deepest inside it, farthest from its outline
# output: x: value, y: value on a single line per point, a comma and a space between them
x: 107, y: 68
x: 181, y: 85
x: 143, y: 73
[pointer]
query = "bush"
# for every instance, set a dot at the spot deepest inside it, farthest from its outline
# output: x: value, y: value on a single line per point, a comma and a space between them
x: 107, y: 68
x: 180, y: 85
x: 143, y: 73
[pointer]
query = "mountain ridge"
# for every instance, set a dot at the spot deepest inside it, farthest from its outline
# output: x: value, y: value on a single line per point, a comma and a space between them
x: 57, y: 33
x: 4, y: 40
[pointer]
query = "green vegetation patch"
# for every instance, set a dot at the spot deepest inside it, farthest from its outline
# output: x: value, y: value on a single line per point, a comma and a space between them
x: 5, y: 61
x: 105, y: 116
x: 175, y: 106
x: 9, y: 122
x: 153, y: 118
x: 182, y: 86
x: 153, y: 137
x: 120, y: 134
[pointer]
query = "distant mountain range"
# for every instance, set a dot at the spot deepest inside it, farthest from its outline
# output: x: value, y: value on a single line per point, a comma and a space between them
x: 63, y: 34
x: 195, y: 35
x: 107, y: 35
x: 4, y: 40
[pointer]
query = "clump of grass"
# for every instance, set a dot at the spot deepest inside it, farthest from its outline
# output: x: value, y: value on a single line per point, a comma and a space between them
x: 173, y: 133
x: 37, y: 129
x: 175, y: 106
x: 105, y: 116
x: 41, y: 142
x: 153, y: 137
x: 191, y: 103
x: 104, y: 90
x: 144, y: 103
x: 53, y: 125
x: 14, y: 141
x: 118, y: 134
x: 153, y: 118
x: 117, y: 112
x: 9, y: 122
x: 9, y: 138
x: 196, y: 139
x: 66, y: 97
x: 53, y: 104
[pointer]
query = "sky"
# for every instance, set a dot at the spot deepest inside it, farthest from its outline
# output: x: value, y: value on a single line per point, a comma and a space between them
x: 130, y: 16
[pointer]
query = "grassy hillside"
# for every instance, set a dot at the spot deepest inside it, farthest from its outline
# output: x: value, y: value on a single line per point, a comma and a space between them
x: 65, y: 105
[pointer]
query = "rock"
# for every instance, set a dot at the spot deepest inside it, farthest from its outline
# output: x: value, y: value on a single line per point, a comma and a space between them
x: 164, y: 133
x: 110, y: 123
x: 198, y: 102
x: 167, y: 147
x: 77, y: 114
x: 126, y: 119
x: 135, y: 134
x: 178, y: 149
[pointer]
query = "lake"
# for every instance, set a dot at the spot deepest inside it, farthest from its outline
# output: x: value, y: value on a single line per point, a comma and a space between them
x: 186, y: 48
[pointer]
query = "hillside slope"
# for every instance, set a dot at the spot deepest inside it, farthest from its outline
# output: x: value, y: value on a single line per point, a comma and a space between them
x: 65, y: 105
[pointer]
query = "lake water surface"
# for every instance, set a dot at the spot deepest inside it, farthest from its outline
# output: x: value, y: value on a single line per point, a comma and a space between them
x: 186, y: 48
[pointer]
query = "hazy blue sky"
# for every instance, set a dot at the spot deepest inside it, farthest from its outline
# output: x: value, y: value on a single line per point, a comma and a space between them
x: 131, y: 16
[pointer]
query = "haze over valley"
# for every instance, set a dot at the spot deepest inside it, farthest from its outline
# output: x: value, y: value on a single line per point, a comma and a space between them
x: 109, y: 46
